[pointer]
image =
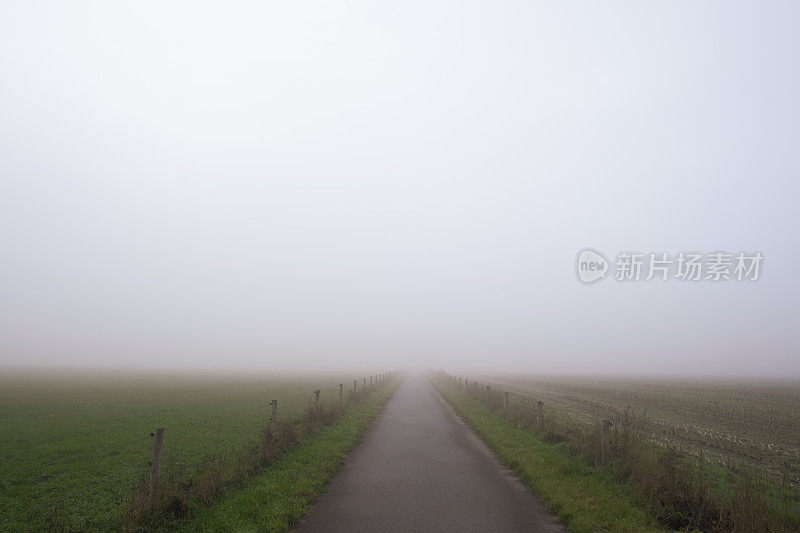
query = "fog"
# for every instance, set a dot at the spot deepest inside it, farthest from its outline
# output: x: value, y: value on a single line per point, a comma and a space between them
x: 323, y: 185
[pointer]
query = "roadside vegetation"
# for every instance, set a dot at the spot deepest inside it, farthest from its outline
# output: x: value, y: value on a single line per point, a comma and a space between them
x: 184, y: 494
x: 75, y: 448
x: 279, y: 497
x: 618, y: 480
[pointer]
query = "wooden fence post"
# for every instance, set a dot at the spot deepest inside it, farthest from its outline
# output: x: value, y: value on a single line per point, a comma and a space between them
x: 155, y: 463
x: 539, y: 415
x: 341, y: 388
x: 604, y: 445
x: 364, y: 388
x: 273, y: 415
x: 316, y: 402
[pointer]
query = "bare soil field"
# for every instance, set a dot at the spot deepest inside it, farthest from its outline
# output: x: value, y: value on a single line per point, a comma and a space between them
x: 743, y: 424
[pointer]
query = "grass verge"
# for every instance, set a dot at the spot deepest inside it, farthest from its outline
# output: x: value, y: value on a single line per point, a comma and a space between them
x: 585, y: 499
x: 278, y: 498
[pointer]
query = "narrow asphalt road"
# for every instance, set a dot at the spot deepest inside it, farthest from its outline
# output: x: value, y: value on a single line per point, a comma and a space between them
x: 419, y: 468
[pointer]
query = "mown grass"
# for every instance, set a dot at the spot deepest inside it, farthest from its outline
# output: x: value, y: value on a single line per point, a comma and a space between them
x: 585, y: 499
x: 74, y: 447
x: 278, y: 498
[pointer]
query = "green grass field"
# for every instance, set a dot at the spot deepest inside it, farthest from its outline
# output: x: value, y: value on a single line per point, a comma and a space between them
x: 73, y: 446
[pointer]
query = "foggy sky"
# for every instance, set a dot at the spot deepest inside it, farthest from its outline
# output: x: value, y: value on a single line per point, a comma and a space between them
x: 339, y: 184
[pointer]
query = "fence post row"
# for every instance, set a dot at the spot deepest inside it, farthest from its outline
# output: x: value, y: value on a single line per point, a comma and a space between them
x: 158, y: 434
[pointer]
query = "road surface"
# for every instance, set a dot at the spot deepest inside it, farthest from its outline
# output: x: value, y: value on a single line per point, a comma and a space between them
x: 419, y: 468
